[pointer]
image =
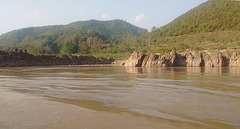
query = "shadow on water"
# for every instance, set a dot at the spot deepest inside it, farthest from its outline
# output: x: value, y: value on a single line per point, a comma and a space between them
x: 232, y: 71
x: 100, y: 106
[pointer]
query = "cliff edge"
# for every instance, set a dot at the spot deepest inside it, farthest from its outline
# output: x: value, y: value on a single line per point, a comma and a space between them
x: 184, y: 59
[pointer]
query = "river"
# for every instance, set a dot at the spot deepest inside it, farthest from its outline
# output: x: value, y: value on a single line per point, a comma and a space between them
x: 171, y: 97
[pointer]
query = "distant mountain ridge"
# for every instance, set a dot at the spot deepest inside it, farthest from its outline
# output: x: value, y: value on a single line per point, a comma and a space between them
x: 53, y: 39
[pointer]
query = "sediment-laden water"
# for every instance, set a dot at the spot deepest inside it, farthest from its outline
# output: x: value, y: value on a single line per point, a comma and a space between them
x: 200, y: 97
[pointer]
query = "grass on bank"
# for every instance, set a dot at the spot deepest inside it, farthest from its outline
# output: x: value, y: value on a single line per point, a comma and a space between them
x: 212, y: 41
x: 116, y: 56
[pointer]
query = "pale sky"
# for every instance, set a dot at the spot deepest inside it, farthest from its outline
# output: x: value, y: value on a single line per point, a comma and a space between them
x: 16, y: 14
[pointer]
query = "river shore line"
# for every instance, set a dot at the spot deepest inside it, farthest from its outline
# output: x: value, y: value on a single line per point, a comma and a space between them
x: 23, y: 58
x: 137, y: 59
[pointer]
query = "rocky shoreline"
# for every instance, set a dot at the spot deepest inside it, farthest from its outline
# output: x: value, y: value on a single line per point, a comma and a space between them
x: 137, y: 59
x: 22, y: 58
x: 184, y: 59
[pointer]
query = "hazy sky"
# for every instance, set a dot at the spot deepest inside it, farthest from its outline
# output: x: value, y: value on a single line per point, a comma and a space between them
x: 16, y: 14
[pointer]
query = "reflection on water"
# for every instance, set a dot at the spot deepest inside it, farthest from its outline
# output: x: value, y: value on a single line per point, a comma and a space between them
x: 208, y: 97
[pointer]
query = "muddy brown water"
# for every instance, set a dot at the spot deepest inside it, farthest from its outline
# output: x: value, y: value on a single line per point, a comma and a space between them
x: 160, y: 97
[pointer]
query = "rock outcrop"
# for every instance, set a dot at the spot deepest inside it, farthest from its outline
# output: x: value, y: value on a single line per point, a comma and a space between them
x: 22, y: 58
x: 184, y: 59
x: 135, y: 59
x: 193, y: 59
x: 234, y: 60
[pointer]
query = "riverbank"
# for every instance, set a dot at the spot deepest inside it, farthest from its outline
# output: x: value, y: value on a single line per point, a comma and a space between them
x: 22, y: 58
x: 137, y: 59
x: 184, y: 59
x: 22, y: 111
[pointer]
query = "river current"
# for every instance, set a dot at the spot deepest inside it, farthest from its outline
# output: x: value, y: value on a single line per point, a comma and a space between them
x: 204, y: 97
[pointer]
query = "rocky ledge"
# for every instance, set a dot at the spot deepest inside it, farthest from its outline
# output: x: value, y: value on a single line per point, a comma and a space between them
x: 22, y: 58
x: 184, y: 59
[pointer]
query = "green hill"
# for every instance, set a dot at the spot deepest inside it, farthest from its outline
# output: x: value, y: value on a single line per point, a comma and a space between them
x: 213, y: 25
x: 79, y: 37
x: 211, y: 16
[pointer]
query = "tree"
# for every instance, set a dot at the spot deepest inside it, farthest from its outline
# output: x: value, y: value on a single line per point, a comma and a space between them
x: 153, y: 28
x: 94, y: 43
x: 83, y: 48
x: 70, y: 48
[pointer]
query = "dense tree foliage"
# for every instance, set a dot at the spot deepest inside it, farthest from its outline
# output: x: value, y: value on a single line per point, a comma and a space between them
x: 80, y: 37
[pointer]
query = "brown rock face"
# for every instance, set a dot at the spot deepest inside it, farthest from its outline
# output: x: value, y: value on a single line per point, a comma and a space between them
x: 151, y: 60
x: 135, y: 60
x: 193, y: 59
x: 234, y: 60
x: 213, y: 60
x: 185, y: 59
x: 165, y: 60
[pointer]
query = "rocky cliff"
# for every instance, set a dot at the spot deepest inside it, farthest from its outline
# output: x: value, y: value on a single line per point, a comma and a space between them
x: 22, y: 58
x: 184, y: 59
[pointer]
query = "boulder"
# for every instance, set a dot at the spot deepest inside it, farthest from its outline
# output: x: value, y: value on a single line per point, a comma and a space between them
x: 135, y: 60
x: 119, y: 62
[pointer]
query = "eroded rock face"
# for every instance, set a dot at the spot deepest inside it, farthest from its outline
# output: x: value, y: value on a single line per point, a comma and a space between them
x: 185, y: 59
x: 212, y: 59
x: 135, y: 60
x: 193, y: 59
x: 151, y: 60
x: 234, y: 60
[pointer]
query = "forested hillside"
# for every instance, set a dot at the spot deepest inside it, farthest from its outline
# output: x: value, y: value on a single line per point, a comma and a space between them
x: 213, y: 25
x: 212, y: 16
x: 80, y: 37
